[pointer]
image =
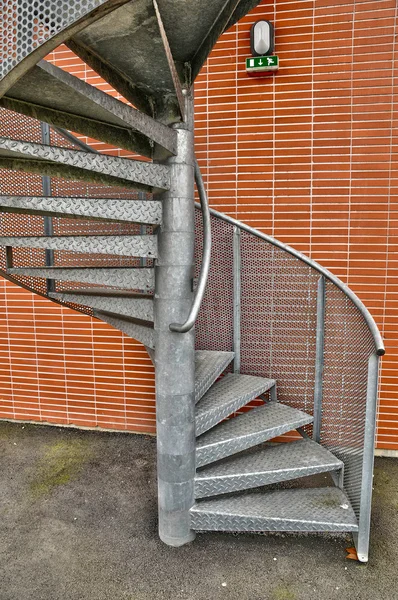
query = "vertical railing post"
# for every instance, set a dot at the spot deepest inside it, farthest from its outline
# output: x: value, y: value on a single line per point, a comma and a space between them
x: 319, y: 358
x: 237, y: 265
x: 175, y: 352
x: 361, y: 538
x: 48, y: 222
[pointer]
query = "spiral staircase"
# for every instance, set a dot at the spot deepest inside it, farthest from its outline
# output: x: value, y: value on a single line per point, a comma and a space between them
x: 129, y: 254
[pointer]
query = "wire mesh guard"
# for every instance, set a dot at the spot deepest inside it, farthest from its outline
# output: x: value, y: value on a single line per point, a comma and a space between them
x: 20, y: 184
x: 27, y: 24
x: 278, y: 337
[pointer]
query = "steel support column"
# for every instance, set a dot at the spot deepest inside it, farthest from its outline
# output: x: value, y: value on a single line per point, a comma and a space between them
x: 175, y: 352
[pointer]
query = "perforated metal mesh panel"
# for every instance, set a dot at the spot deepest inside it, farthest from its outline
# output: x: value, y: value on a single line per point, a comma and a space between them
x: 20, y: 183
x: 216, y: 333
x: 278, y: 337
x: 348, y: 345
x: 27, y: 24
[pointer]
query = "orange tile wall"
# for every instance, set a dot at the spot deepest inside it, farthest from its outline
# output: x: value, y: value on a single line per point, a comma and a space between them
x: 308, y: 155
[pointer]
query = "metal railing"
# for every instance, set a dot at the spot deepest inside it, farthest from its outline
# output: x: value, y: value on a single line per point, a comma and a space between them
x: 288, y: 318
x: 206, y: 254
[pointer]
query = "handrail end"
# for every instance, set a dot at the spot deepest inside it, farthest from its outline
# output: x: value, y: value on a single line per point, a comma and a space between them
x: 177, y: 328
x: 381, y: 351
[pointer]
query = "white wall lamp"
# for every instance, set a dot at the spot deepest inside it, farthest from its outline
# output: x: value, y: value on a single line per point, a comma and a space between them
x: 262, y: 45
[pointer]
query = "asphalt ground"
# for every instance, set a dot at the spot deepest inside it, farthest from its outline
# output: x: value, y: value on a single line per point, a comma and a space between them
x: 78, y: 521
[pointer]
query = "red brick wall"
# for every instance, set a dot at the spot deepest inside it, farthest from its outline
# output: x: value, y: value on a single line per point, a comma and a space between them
x: 307, y: 155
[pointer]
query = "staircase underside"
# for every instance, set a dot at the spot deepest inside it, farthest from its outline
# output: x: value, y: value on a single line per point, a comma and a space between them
x: 127, y: 48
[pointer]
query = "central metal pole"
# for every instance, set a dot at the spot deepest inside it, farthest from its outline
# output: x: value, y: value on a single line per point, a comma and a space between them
x: 175, y: 352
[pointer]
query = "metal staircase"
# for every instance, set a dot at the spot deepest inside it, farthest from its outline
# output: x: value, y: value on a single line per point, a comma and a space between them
x: 273, y: 325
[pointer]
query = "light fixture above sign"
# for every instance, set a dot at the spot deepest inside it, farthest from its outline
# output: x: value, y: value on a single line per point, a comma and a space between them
x: 262, y: 38
x: 262, y: 45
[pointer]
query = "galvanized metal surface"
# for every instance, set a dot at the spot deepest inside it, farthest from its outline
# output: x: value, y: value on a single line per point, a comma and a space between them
x: 126, y: 278
x: 278, y: 333
x: 136, y: 307
x: 27, y: 26
x: 316, y: 509
x: 175, y: 352
x: 139, y: 332
x: 50, y: 93
x: 123, y: 113
x: 205, y: 266
x: 265, y: 466
x: 237, y: 298
x: 126, y: 245
x: 378, y: 341
x: 226, y: 396
x: 170, y: 61
x: 208, y: 367
x: 147, y: 174
x: 247, y: 430
x: 319, y: 359
x: 362, y: 538
x: 136, y: 211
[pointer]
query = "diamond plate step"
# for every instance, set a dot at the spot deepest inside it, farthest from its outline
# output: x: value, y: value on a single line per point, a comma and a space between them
x: 134, y: 278
x: 119, y: 303
x: 247, y: 430
x: 311, y: 509
x: 133, y: 211
x: 137, y: 331
x: 227, y: 396
x: 208, y: 367
x: 70, y: 163
x: 120, y: 245
x: 265, y: 466
x: 78, y: 106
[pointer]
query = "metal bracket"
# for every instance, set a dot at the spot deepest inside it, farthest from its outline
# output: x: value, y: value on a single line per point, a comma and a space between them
x: 170, y: 60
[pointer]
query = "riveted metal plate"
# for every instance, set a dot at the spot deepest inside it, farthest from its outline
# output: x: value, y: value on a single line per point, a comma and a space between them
x: 264, y: 466
x: 135, y: 211
x: 227, y: 396
x: 316, y: 509
x: 247, y: 430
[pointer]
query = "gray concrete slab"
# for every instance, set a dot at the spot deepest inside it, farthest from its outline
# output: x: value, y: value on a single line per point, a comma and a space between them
x: 78, y: 521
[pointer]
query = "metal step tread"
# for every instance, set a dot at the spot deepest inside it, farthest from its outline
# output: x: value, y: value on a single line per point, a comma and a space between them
x: 127, y: 304
x: 247, y: 430
x: 227, y: 396
x: 141, y: 278
x: 120, y: 245
x: 146, y: 175
x: 132, y: 211
x: 105, y: 292
x: 265, y: 466
x: 138, y: 331
x: 209, y: 364
x: 310, y: 509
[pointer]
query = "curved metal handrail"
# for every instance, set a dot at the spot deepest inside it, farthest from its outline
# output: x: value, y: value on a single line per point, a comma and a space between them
x: 204, y: 272
x: 380, y: 350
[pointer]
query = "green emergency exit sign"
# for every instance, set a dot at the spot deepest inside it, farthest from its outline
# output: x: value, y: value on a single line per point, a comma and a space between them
x: 262, y: 64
